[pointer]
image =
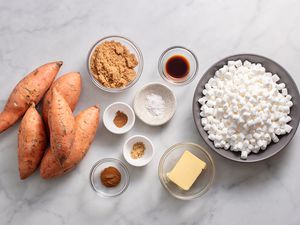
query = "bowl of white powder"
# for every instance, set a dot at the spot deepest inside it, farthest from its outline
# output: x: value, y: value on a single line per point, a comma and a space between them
x: 246, y: 107
x: 155, y: 104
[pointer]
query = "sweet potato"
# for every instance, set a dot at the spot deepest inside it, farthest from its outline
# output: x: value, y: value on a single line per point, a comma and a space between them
x: 69, y: 86
x: 32, y: 142
x: 61, y: 124
x: 50, y: 166
x: 86, y: 124
x: 29, y: 90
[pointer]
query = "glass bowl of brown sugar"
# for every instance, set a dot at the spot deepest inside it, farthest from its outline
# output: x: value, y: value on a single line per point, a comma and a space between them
x: 115, y: 64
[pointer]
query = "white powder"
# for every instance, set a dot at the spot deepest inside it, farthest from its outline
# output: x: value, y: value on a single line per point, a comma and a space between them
x: 155, y: 105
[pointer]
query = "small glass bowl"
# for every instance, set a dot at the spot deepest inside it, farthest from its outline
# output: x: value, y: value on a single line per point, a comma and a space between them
x: 178, y: 50
x: 202, y: 183
x: 95, y: 181
x: 132, y: 49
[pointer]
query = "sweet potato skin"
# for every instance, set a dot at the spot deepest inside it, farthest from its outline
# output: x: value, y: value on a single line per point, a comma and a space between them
x: 69, y: 86
x: 29, y: 90
x: 61, y: 124
x: 50, y: 166
x: 32, y: 142
x: 86, y: 124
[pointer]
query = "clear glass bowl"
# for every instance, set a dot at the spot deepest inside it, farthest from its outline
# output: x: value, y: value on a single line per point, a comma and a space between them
x: 202, y: 183
x: 95, y: 181
x: 186, y: 53
x: 132, y: 48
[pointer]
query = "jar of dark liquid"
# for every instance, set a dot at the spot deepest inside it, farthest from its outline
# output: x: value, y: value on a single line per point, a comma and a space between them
x: 178, y: 65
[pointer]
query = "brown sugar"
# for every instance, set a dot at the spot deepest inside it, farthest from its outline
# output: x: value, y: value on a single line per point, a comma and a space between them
x: 120, y: 119
x: 113, y: 65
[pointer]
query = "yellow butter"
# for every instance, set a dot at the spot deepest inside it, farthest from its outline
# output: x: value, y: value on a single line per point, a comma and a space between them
x: 186, y: 170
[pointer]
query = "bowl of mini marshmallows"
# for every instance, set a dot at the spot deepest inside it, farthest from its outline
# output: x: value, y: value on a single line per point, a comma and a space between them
x: 246, y: 107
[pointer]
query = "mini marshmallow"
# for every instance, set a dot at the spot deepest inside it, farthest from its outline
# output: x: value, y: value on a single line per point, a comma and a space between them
x: 288, y: 128
x: 211, y: 137
x: 202, y: 100
x: 226, y: 146
x: 247, y: 64
x: 289, y: 104
x: 275, y: 139
x: 278, y: 131
x: 261, y: 70
x: 280, y: 86
x: 210, y: 103
x: 231, y: 63
x: 204, y: 121
x: 223, y: 70
x: 217, y: 145
x: 263, y: 147
x: 245, y: 108
x: 238, y: 63
x: 288, y: 97
x: 220, y: 110
x: 244, y: 155
x: 231, y: 69
x: 284, y: 91
x: 288, y: 119
x: 257, y: 136
x: 256, y: 149
x: 275, y: 78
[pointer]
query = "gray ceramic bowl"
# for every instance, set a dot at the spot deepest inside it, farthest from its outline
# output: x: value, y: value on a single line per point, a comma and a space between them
x: 270, y: 66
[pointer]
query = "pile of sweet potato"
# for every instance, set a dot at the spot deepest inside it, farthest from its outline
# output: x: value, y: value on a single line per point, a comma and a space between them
x: 69, y: 137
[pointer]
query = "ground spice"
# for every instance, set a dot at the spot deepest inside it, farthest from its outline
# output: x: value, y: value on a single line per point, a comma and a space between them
x: 110, y: 177
x: 113, y: 65
x: 120, y: 119
x: 138, y: 150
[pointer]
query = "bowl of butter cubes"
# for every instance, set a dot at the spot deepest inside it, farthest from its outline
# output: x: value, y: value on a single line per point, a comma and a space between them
x: 246, y: 107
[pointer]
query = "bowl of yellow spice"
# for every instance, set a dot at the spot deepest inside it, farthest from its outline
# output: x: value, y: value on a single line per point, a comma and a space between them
x: 138, y: 150
x: 114, y: 63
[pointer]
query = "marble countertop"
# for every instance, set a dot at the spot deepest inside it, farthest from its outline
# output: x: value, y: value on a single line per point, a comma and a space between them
x: 35, y: 32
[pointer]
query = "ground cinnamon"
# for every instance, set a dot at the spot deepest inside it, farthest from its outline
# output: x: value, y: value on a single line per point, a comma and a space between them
x: 120, y: 119
x: 110, y: 177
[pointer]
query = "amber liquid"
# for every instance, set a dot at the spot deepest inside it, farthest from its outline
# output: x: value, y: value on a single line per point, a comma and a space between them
x: 178, y: 67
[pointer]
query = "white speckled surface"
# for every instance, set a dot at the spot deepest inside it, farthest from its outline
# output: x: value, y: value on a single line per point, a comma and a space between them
x: 35, y: 32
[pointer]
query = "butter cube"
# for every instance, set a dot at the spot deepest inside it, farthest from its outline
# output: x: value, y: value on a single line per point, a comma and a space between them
x: 186, y: 170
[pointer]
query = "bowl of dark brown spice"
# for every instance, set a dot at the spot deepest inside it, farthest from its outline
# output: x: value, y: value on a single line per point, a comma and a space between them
x: 109, y: 177
x: 114, y: 63
x: 118, y: 118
